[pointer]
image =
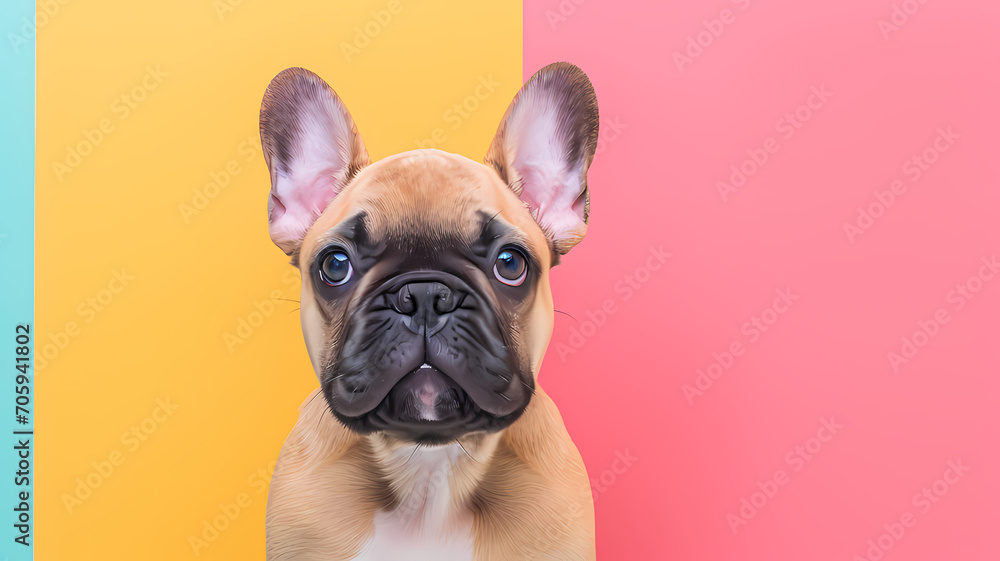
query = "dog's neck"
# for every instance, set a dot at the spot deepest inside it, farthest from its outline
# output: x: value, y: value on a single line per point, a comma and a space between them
x: 433, y: 486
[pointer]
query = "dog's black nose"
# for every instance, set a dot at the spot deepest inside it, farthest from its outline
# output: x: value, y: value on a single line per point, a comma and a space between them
x: 425, y: 305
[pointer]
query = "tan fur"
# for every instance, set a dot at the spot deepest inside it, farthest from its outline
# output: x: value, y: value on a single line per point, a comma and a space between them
x: 530, y: 497
x: 518, y: 494
x: 405, y: 190
x: 526, y: 487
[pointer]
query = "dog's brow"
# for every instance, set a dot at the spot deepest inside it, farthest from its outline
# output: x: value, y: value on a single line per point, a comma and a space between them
x: 354, y: 229
x: 486, y: 223
x: 493, y: 229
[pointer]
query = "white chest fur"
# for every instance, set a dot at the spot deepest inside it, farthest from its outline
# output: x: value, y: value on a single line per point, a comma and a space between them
x: 428, y: 523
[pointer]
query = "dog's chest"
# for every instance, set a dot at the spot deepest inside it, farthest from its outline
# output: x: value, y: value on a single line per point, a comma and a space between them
x: 427, y: 524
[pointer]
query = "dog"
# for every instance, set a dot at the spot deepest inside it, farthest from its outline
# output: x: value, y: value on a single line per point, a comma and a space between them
x: 426, y: 310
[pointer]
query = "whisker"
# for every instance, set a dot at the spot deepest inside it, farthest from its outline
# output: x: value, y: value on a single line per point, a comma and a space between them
x: 487, y: 224
x: 415, y: 448
x: 565, y: 314
x: 285, y: 299
x: 531, y: 389
x: 459, y: 442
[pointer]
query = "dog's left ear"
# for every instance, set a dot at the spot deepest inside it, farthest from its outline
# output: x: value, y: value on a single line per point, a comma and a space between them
x: 312, y: 149
x: 544, y: 147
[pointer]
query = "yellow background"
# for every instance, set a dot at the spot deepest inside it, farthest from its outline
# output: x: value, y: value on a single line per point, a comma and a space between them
x: 196, y: 276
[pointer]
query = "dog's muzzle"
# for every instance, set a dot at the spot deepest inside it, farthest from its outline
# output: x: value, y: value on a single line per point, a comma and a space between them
x: 426, y: 357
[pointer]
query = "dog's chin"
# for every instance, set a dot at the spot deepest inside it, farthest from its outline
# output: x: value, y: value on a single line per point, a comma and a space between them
x: 427, y: 407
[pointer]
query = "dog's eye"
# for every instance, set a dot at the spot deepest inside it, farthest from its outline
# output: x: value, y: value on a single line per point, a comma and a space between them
x: 511, y: 267
x: 336, y: 269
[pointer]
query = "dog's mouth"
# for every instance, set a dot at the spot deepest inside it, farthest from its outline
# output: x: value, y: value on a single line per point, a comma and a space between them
x: 426, y: 394
x: 424, y: 406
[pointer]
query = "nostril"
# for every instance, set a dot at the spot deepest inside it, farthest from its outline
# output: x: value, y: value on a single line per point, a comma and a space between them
x: 446, y: 301
x: 403, y: 301
x: 433, y: 298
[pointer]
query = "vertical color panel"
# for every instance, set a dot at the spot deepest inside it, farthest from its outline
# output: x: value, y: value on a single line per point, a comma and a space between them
x: 17, y: 237
x: 171, y: 362
x: 794, y: 227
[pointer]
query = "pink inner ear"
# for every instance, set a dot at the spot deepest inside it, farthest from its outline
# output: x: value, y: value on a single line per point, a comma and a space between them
x: 554, y: 200
x: 294, y: 208
x: 550, y: 185
x: 316, y: 170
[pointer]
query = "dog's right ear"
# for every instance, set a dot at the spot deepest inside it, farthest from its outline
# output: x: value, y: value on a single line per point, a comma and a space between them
x: 312, y: 149
x: 544, y: 147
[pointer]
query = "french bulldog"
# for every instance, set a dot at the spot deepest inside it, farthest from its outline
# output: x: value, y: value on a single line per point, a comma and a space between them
x: 426, y: 310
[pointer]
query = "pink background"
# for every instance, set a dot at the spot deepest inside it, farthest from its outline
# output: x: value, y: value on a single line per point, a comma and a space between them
x: 620, y: 384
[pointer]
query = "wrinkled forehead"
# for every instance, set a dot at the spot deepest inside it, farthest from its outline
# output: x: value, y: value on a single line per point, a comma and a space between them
x: 424, y: 201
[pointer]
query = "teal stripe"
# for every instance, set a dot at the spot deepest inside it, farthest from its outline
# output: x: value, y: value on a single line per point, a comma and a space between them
x: 17, y: 248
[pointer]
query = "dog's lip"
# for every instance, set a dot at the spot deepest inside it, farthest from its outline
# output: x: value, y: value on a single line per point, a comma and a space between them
x: 464, y: 415
x: 429, y: 382
x: 376, y: 393
x: 414, y: 405
x: 483, y: 393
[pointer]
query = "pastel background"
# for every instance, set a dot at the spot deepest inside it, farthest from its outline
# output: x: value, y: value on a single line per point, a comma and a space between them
x: 778, y: 339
